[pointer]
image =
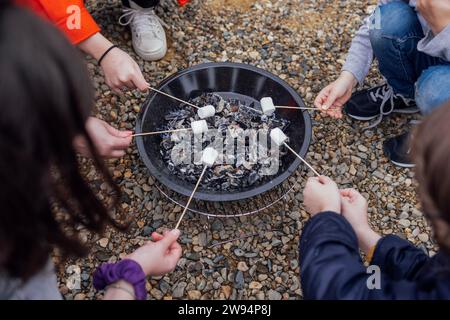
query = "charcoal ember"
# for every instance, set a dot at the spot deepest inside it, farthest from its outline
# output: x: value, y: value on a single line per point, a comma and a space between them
x: 232, y: 118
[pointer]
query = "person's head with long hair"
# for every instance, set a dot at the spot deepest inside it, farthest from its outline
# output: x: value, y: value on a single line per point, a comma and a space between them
x: 431, y: 152
x: 46, y: 98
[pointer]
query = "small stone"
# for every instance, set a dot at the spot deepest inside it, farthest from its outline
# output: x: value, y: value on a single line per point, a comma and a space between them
x: 293, y: 264
x: 355, y: 159
x: 423, y: 237
x: 417, y: 213
x: 255, y: 285
x: 178, y: 289
x: 362, y: 148
x: 202, y: 239
x: 273, y: 295
x: 242, y: 266
x: 164, y: 286
x: 138, y: 192
x: 217, y: 225
x: 254, y: 54
x: 262, y: 277
x: 239, y: 280
x: 404, y: 222
x: 226, y: 291
x: 194, y: 294
x: 80, y: 296
x: 147, y: 231
x: 195, y: 256
x: 103, y: 242
x: 239, y: 252
x: 155, y: 293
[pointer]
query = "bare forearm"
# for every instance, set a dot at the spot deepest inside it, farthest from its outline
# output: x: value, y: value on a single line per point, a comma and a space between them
x: 95, y: 46
x: 121, y: 290
x: 367, y: 239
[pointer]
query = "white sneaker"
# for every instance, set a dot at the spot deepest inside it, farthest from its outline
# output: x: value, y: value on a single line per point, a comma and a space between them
x: 149, y: 38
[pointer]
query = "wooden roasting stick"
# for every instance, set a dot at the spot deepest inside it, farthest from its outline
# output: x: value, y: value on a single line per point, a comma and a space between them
x: 209, y: 156
x: 279, y: 138
x: 192, y: 195
x: 159, y: 132
x: 175, y: 98
x: 298, y: 108
x: 304, y: 161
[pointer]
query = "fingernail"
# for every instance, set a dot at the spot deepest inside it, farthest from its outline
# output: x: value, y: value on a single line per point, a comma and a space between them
x: 176, y: 232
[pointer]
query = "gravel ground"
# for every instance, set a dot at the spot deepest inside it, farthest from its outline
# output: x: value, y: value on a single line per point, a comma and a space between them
x: 303, y: 42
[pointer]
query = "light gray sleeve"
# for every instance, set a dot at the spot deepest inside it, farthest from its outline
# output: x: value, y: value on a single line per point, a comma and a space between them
x: 360, y: 55
x: 436, y: 45
x: 42, y: 286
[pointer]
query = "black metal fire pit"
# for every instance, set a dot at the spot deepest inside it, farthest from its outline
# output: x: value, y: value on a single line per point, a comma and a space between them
x: 231, y: 80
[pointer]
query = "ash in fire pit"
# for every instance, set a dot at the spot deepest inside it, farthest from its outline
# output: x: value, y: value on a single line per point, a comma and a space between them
x: 234, y: 170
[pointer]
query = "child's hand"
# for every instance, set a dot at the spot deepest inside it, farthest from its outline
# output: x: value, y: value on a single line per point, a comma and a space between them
x: 110, y: 142
x: 161, y: 256
x: 121, y: 72
x: 333, y: 97
x: 321, y: 194
x: 354, y: 209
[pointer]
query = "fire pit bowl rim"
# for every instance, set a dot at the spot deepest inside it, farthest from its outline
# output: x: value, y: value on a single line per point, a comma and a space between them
x: 166, y: 179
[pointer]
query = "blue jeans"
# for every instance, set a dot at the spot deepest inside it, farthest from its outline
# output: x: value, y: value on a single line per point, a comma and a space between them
x: 394, y: 34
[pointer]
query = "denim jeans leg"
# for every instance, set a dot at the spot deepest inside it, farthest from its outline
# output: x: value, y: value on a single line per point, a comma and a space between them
x: 433, y: 88
x: 394, y: 35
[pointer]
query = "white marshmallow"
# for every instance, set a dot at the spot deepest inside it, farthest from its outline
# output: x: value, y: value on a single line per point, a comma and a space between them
x: 209, y: 156
x: 278, y: 137
x: 199, y: 127
x: 267, y: 106
x: 206, y: 112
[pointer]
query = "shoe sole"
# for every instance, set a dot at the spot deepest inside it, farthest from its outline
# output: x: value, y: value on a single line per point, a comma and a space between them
x: 404, y: 111
x: 403, y: 165
x: 396, y: 163
x: 154, y: 56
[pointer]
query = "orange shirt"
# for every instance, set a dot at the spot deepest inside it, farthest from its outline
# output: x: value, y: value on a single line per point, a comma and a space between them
x: 64, y: 14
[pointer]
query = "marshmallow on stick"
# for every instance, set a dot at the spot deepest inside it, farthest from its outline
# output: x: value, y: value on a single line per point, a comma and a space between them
x: 199, y: 127
x: 267, y: 106
x: 209, y: 156
x: 278, y: 136
x: 206, y: 111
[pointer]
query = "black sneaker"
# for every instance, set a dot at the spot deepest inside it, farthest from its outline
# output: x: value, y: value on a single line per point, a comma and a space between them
x: 398, y: 150
x: 378, y: 102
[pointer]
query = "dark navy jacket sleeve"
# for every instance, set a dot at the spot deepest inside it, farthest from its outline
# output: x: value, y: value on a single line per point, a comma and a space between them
x: 332, y: 268
x: 399, y: 258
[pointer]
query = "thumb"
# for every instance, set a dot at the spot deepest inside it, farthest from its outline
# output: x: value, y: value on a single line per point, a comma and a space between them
x: 118, y: 133
x: 170, y: 238
x: 332, y: 97
x: 324, y: 179
x: 139, y: 81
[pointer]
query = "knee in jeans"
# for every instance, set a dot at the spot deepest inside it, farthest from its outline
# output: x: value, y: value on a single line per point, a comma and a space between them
x: 395, y: 19
x: 433, y: 88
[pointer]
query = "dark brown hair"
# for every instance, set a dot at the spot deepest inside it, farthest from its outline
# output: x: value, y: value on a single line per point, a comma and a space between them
x: 46, y: 97
x: 431, y: 153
